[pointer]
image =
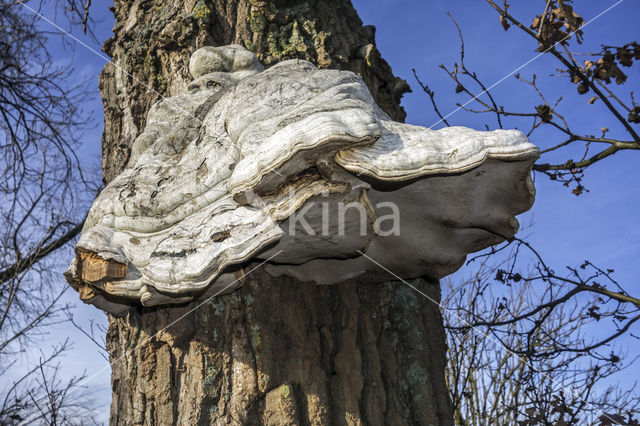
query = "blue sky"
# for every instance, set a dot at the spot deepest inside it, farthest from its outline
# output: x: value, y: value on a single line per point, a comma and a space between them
x: 599, y: 225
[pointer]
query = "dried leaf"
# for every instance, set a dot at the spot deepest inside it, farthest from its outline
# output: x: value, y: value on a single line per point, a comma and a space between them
x: 545, y: 113
x: 583, y: 87
x: 573, y: 20
x: 624, y: 56
x: 606, y: 68
x: 536, y: 23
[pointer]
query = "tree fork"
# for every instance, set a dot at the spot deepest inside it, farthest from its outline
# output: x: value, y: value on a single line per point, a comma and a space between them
x: 277, y: 351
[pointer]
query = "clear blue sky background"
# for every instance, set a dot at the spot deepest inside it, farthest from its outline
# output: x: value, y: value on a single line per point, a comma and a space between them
x: 600, y: 225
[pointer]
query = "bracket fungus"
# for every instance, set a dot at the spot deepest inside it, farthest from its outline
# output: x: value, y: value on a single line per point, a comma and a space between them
x: 298, y: 167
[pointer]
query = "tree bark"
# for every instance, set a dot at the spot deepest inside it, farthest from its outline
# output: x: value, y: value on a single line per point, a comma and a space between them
x: 277, y: 351
x: 284, y: 352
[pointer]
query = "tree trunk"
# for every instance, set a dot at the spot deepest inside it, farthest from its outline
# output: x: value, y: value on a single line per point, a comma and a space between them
x: 285, y: 352
x: 277, y: 351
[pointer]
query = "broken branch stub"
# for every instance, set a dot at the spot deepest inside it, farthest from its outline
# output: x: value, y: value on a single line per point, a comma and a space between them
x: 300, y: 167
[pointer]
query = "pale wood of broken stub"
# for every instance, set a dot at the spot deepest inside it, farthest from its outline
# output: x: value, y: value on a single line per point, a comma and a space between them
x: 94, y: 268
x: 86, y: 292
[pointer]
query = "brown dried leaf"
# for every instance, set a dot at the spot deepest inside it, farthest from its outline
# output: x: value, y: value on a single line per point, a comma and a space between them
x: 606, y: 68
x: 536, y: 23
x: 583, y: 87
x: 578, y: 190
x: 624, y: 56
x: 545, y: 113
x: 572, y: 19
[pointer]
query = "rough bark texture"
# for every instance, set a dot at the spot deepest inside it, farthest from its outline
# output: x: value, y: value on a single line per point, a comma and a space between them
x: 285, y: 352
x: 277, y: 351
